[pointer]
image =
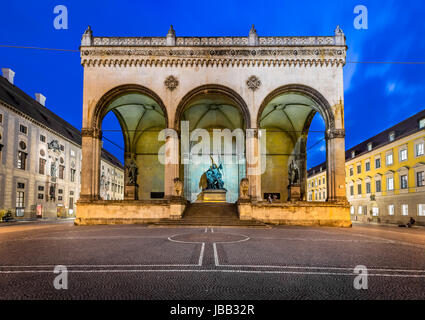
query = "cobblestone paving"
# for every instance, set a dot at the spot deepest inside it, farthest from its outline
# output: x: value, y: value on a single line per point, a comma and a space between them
x: 141, y: 262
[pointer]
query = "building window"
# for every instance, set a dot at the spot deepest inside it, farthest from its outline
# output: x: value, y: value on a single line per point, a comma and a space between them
x: 369, y: 146
x: 22, y: 160
x: 61, y: 170
x: 359, y: 169
x: 367, y: 166
x: 403, y: 182
x: 375, y: 211
x: 367, y: 187
x: 351, y: 171
x: 40, y: 188
x: 40, y: 196
x: 42, y: 138
x: 71, y: 193
x: 377, y: 163
x: 1, y: 118
x: 389, y: 159
x: 59, y: 198
x: 62, y: 147
x: 41, y: 166
x: 359, y: 189
x: 72, y: 175
x: 422, y: 123
x: 352, y: 209
x: 60, y: 191
x: 378, y: 185
x: 420, y: 181
x: 403, y: 155
x: 72, y: 153
x: 323, y: 180
x: 404, y: 209
x: 391, y: 210
x: 390, y: 184
x: 360, y: 210
x: 23, y: 129
x: 352, y: 190
x: 421, y: 210
x: 420, y: 149
x: 391, y: 136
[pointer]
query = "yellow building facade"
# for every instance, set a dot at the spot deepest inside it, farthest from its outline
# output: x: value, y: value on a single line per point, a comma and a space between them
x: 385, y: 175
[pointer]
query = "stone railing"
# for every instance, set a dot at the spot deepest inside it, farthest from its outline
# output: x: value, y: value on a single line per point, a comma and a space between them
x: 215, y: 41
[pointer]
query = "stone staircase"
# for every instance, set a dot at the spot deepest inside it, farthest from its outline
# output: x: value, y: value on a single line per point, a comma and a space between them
x: 211, y: 214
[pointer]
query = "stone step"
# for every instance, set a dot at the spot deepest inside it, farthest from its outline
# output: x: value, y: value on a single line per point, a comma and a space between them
x: 211, y: 214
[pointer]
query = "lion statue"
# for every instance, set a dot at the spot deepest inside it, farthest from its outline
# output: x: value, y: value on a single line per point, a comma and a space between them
x: 244, y: 189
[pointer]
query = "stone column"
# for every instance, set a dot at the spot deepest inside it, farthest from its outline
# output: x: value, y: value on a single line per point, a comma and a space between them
x: 90, y: 168
x: 335, y: 159
x: 171, y: 165
x: 253, y: 164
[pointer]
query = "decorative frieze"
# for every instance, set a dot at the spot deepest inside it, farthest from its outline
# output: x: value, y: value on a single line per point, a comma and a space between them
x: 213, y: 41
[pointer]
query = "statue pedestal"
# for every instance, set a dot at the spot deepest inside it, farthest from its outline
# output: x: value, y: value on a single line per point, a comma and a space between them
x: 131, y: 192
x: 294, y: 192
x: 212, y: 195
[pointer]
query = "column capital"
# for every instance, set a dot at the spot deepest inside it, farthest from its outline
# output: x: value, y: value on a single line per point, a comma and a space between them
x: 91, y: 132
x: 252, y: 132
x: 335, y: 133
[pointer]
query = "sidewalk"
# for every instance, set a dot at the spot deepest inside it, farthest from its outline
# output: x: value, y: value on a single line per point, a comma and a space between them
x: 38, y: 221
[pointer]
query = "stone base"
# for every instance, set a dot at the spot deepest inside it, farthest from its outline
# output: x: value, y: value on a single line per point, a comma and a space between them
x: 131, y: 192
x: 214, y: 195
x: 298, y: 214
x: 294, y: 192
x: 128, y: 212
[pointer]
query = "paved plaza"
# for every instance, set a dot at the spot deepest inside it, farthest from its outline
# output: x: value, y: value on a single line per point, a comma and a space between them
x: 145, y: 262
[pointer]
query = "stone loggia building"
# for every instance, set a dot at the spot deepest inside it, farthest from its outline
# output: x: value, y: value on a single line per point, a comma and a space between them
x: 268, y: 87
x: 40, y: 158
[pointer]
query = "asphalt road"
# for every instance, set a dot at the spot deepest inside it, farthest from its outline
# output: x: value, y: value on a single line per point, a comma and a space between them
x: 140, y: 262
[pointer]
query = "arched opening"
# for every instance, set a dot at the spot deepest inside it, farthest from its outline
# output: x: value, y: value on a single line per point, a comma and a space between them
x: 212, y: 123
x: 286, y: 115
x: 141, y: 116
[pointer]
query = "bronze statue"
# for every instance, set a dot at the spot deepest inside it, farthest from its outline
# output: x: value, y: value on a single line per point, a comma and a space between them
x: 212, y: 178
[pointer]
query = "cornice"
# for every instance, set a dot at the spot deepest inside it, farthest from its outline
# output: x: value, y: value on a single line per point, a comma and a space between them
x: 212, y: 56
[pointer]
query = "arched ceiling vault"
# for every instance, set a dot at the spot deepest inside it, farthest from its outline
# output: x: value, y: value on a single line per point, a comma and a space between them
x: 137, y: 114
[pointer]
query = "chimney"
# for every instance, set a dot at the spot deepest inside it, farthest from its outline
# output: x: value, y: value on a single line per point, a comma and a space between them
x: 9, y: 74
x: 40, y: 99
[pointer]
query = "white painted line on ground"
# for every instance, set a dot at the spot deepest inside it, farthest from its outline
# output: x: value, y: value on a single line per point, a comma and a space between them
x: 201, y: 256
x: 318, y: 268
x: 216, y: 261
x: 336, y: 274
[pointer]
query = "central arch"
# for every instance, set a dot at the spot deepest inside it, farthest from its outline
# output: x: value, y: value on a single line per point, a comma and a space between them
x: 213, y: 107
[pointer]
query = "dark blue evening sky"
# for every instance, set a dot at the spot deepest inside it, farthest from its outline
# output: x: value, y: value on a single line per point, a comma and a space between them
x: 376, y: 95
